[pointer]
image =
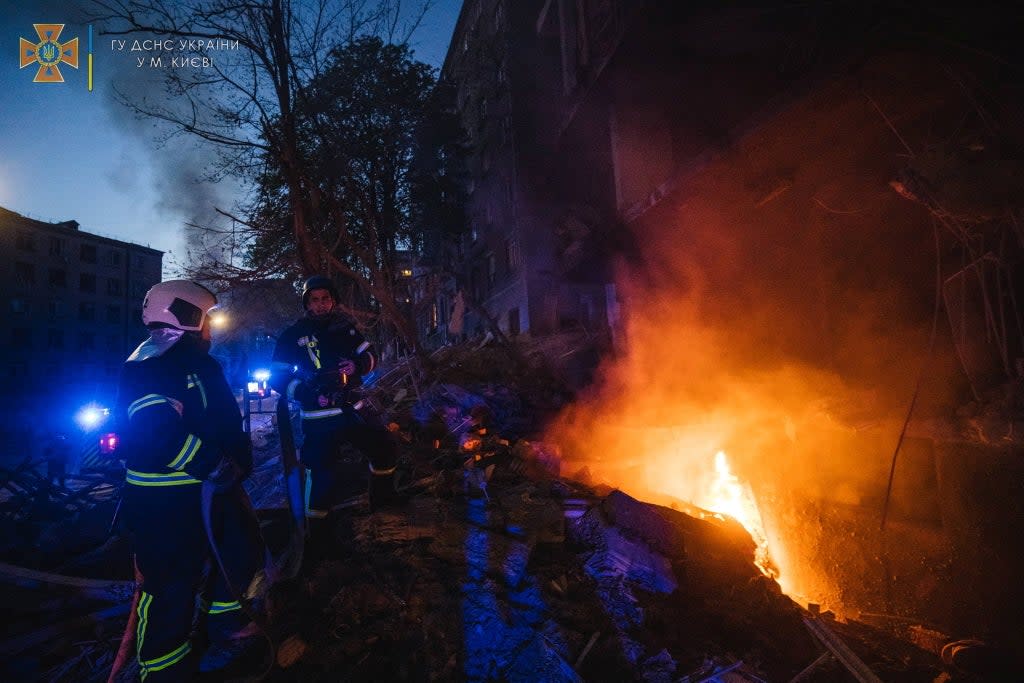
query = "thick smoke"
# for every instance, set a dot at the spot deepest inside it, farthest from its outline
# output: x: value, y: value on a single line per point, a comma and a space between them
x: 188, y: 173
x: 781, y: 313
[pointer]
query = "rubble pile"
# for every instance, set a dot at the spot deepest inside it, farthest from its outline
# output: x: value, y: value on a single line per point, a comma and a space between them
x: 493, y: 566
x: 544, y: 580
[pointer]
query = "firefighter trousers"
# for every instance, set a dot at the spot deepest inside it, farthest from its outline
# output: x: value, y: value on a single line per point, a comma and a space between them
x: 172, y: 555
x: 335, y: 472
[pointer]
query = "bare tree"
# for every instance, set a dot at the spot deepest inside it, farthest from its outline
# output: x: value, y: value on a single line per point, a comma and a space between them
x: 262, y: 55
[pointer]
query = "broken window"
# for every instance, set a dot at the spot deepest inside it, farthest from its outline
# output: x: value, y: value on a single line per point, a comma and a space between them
x: 512, y: 255
x: 513, y: 321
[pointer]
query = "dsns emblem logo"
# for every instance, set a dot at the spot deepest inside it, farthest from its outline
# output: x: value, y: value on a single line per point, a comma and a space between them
x: 49, y: 53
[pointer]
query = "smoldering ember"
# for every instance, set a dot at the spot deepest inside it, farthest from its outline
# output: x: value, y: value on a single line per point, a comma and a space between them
x: 699, y: 342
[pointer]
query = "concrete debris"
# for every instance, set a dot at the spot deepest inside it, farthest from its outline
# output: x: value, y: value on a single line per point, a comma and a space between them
x: 492, y: 566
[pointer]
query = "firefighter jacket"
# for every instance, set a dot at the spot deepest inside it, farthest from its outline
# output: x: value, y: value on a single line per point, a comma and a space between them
x: 306, y: 359
x: 177, y: 416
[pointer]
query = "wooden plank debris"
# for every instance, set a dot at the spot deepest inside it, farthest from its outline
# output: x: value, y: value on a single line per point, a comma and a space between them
x: 843, y: 654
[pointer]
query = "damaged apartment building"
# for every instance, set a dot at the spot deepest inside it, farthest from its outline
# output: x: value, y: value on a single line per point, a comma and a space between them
x: 830, y: 190
x: 592, y: 123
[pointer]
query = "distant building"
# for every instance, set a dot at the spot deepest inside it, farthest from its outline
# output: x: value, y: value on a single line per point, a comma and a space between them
x: 72, y: 302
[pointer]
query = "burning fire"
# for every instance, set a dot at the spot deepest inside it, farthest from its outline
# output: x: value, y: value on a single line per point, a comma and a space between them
x: 727, y: 495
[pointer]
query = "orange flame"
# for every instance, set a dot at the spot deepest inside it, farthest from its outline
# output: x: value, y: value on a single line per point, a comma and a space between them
x: 728, y: 496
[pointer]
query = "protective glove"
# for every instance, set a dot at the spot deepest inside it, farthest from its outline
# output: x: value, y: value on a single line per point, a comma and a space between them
x: 226, y: 475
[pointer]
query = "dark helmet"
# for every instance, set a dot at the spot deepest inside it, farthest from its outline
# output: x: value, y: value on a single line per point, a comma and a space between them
x: 317, y: 282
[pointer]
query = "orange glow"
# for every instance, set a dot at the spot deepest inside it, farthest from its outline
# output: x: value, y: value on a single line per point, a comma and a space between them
x: 786, y: 334
x: 728, y: 496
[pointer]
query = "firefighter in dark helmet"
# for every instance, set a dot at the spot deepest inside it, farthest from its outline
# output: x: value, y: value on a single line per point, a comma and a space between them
x: 180, y: 426
x: 319, y: 362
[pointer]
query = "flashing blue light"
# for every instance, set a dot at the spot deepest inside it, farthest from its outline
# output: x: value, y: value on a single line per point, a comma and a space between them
x: 261, y: 375
x: 91, y: 416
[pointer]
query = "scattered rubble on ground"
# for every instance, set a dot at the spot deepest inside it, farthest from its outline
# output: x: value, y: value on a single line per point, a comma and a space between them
x: 495, y: 567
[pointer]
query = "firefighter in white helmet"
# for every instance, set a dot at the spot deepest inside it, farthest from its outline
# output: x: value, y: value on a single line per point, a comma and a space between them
x: 180, y: 426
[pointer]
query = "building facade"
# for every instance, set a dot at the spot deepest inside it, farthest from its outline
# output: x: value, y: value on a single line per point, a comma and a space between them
x: 73, y: 303
x: 512, y: 264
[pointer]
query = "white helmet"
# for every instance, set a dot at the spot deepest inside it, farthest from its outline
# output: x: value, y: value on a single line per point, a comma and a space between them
x: 182, y: 304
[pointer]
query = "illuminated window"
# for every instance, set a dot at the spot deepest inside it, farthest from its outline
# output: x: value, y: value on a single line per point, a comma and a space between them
x: 406, y: 272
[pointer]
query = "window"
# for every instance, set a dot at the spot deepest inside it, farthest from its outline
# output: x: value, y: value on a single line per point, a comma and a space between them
x: 55, y: 339
x: 113, y: 258
x: 25, y: 273
x: 499, y: 16
x: 492, y: 271
x: 114, y: 314
x: 433, y: 316
x: 58, y: 277
x: 86, y: 311
x: 87, y: 282
x: 139, y: 290
x: 19, y: 307
x: 513, y: 321
x: 56, y: 246
x: 512, y: 255
x: 87, y: 253
x: 21, y: 337
x: 86, y: 341
x: 113, y: 286
x: 25, y: 242
x: 56, y: 309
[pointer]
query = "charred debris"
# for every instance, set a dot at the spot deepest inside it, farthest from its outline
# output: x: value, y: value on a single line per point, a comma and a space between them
x: 497, y: 565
